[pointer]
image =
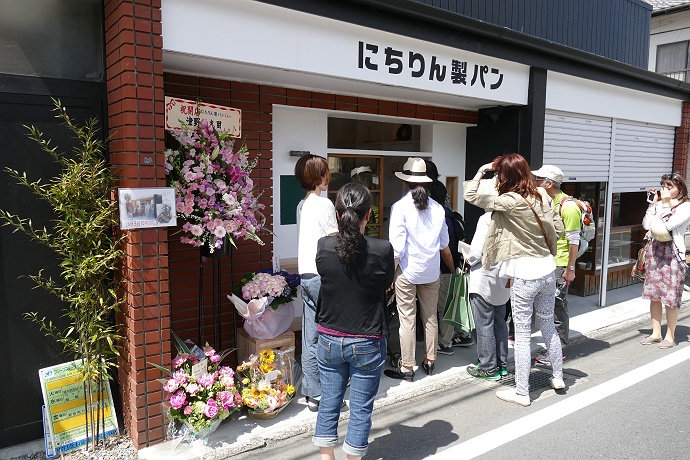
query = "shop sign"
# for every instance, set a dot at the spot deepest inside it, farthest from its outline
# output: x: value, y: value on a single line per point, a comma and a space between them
x: 222, y: 118
x: 374, y: 57
x: 66, y: 408
x: 147, y: 207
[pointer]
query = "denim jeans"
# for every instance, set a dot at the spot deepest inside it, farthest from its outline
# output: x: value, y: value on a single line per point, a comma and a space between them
x: 492, y: 333
x: 311, y: 385
x: 361, y: 360
x: 526, y: 297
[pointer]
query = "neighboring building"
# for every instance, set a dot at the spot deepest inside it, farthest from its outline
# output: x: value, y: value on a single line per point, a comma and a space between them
x: 369, y: 83
x: 669, y: 38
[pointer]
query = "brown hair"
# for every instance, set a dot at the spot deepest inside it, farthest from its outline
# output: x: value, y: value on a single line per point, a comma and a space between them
x: 513, y: 175
x: 311, y: 170
x: 678, y: 180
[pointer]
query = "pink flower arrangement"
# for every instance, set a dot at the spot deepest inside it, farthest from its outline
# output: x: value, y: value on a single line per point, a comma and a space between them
x: 199, y: 398
x: 214, y: 192
x: 281, y: 285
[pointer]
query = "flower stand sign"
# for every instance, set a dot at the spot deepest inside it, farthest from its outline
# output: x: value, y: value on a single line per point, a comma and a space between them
x: 214, y: 194
x: 147, y: 207
x: 66, y: 408
x: 180, y: 112
x: 200, y: 393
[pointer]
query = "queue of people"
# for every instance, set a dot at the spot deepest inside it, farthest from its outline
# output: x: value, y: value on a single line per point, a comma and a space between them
x: 522, y: 254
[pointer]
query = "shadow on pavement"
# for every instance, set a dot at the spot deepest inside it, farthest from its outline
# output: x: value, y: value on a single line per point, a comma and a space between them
x: 412, y: 443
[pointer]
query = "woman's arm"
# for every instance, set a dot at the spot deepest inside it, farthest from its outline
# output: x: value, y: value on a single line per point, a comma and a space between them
x: 648, y: 216
x: 679, y: 218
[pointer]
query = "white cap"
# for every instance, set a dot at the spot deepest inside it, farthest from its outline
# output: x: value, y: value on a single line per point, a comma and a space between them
x: 550, y: 172
x: 360, y: 170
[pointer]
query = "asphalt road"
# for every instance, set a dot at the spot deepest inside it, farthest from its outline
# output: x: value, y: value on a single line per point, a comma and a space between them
x: 623, y: 401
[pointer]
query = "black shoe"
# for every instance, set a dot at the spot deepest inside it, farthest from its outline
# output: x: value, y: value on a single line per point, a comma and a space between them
x: 466, y: 341
x: 399, y: 374
x: 428, y: 368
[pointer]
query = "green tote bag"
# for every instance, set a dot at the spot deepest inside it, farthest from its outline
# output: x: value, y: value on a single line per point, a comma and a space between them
x: 458, y: 312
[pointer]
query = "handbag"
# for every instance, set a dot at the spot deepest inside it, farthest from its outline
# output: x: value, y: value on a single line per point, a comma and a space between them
x: 458, y: 312
x: 638, y: 270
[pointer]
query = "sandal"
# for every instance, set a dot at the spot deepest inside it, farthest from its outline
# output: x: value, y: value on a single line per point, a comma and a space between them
x: 666, y: 344
x: 650, y: 340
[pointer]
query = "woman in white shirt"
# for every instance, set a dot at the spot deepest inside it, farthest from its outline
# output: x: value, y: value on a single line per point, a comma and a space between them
x: 665, y: 260
x: 315, y: 219
x: 419, y: 236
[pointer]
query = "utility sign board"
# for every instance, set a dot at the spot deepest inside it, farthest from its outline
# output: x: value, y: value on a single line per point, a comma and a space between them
x: 66, y: 409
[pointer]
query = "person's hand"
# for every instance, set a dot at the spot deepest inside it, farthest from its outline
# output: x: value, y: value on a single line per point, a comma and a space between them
x: 665, y: 196
x: 568, y: 276
x: 488, y: 167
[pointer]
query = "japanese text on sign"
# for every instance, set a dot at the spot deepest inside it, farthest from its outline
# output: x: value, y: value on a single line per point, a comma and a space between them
x: 191, y: 113
x: 372, y: 56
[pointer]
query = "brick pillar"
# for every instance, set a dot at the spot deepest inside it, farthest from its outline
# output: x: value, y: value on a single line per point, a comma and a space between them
x: 134, y: 72
x: 682, y: 142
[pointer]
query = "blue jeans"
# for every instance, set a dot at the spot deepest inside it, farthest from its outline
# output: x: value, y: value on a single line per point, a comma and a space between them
x: 492, y: 333
x: 311, y: 385
x: 361, y: 360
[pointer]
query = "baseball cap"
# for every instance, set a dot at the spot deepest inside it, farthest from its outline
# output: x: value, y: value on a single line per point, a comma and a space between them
x: 550, y: 172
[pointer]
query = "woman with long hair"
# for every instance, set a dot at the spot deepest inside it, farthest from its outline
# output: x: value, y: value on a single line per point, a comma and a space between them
x: 522, y: 238
x: 665, y: 260
x: 355, y: 272
x: 419, y: 235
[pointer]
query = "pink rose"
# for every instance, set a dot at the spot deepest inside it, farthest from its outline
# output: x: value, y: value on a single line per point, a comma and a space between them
x: 211, y: 409
x: 178, y: 400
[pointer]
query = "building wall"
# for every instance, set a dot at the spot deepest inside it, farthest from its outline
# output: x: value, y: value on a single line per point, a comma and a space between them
x: 665, y: 29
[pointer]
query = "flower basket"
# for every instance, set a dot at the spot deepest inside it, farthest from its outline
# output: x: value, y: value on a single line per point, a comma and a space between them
x: 266, y: 383
x: 270, y: 310
x: 267, y: 415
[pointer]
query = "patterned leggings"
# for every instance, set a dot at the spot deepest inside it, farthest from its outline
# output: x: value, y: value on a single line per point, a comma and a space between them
x: 524, y: 295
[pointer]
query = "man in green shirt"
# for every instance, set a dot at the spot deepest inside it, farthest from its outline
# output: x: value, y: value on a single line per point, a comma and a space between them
x: 550, y: 178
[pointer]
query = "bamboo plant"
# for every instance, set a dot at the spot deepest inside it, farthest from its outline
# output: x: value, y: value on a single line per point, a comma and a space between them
x: 88, y: 252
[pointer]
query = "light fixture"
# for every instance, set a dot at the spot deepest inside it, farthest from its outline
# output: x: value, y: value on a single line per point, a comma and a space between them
x: 299, y: 153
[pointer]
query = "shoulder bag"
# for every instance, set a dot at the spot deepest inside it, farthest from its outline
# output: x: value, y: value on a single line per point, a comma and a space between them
x: 546, y: 238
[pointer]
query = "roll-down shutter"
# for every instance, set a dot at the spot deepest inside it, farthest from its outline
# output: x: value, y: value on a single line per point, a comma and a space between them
x: 578, y: 144
x: 642, y: 154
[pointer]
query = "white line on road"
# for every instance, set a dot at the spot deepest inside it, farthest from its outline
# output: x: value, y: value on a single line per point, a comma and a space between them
x: 525, y: 425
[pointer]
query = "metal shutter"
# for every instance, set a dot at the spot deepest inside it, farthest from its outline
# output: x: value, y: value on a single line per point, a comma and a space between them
x: 578, y: 144
x: 643, y: 152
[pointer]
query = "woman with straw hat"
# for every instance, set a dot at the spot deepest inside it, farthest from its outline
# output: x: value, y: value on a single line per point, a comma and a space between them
x: 419, y: 236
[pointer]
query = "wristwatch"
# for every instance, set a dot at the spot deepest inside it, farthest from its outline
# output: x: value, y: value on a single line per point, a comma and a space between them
x: 571, y: 268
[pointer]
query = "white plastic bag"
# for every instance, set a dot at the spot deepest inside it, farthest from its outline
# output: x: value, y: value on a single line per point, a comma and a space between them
x: 261, y: 321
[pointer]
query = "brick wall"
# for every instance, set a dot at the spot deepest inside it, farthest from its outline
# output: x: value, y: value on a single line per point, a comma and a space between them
x: 134, y: 73
x: 682, y: 142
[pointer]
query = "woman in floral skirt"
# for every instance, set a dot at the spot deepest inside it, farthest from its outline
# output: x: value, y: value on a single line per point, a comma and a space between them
x: 665, y: 261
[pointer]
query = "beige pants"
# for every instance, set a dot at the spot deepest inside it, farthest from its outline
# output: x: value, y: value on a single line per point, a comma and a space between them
x: 406, y: 293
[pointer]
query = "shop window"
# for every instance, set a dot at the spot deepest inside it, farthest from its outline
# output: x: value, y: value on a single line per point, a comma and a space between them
x: 346, y: 133
x: 626, y: 238
x: 52, y: 38
x: 672, y: 60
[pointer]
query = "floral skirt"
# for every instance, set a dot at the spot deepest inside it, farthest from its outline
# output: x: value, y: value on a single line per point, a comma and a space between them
x: 664, y: 275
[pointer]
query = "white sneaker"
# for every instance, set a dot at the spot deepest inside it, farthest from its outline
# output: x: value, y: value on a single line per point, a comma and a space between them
x: 557, y: 384
x: 512, y: 396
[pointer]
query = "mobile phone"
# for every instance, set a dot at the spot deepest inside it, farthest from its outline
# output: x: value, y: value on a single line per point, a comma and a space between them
x: 650, y: 197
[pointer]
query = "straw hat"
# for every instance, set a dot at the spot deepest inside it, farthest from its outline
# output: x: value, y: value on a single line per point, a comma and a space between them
x: 414, y: 170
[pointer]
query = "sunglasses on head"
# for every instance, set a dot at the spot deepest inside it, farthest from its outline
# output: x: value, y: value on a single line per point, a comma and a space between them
x: 672, y: 177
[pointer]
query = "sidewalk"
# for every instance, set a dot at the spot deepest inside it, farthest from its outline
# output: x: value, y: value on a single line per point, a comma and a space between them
x: 241, y: 434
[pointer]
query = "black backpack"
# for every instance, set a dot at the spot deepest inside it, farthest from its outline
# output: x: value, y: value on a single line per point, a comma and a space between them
x: 458, y: 231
